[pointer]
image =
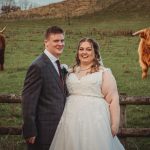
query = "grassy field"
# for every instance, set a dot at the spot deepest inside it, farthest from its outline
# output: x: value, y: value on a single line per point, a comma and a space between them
x: 118, y: 50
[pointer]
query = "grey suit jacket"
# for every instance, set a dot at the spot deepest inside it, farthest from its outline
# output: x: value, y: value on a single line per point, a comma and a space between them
x: 43, y: 100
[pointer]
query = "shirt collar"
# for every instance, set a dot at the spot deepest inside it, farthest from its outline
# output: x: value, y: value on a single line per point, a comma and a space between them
x: 50, y: 56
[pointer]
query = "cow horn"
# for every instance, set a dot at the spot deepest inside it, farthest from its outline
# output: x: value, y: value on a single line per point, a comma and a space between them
x: 3, y: 30
x: 138, y: 32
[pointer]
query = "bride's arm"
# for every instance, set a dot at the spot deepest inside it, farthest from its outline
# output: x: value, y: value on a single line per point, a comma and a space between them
x: 110, y: 92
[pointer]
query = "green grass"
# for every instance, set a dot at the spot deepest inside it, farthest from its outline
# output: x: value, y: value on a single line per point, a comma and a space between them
x: 25, y: 42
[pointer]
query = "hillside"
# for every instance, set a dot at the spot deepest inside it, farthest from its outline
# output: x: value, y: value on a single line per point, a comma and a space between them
x: 71, y: 8
x: 128, y: 6
x: 67, y: 8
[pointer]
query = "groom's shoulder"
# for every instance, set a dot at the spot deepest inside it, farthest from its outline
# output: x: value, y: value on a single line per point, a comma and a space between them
x: 39, y: 61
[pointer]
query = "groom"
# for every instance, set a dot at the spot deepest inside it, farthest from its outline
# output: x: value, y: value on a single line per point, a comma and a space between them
x: 44, y: 93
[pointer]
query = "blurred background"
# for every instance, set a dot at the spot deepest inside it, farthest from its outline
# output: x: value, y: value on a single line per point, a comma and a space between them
x: 110, y: 22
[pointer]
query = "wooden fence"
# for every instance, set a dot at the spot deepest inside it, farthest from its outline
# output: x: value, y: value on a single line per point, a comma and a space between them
x: 124, y: 132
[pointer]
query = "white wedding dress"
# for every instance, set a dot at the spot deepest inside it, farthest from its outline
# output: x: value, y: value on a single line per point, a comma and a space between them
x: 85, y: 123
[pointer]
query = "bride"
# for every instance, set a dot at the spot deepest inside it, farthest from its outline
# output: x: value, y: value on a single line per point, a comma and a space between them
x: 90, y: 120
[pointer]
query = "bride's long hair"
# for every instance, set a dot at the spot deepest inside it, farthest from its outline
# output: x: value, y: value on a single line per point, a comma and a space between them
x: 97, y: 62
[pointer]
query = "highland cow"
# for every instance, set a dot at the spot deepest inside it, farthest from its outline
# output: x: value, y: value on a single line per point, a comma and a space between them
x: 2, y: 49
x: 144, y: 50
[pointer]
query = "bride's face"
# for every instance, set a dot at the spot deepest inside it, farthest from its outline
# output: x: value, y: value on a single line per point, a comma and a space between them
x: 86, y: 53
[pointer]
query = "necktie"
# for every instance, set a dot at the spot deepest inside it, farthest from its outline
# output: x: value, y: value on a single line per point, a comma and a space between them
x: 59, y: 69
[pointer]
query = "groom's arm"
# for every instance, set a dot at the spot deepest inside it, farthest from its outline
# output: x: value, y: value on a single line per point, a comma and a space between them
x: 30, y: 97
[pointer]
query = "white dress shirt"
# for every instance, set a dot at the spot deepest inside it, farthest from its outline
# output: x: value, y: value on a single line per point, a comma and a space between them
x: 52, y: 59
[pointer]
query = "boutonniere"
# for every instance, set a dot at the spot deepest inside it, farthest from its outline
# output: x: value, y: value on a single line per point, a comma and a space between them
x: 64, y: 69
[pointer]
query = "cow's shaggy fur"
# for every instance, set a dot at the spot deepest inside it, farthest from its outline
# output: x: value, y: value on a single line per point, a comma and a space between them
x: 144, y: 50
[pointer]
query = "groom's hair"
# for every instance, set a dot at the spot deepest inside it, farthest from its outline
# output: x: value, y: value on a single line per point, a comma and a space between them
x: 53, y: 30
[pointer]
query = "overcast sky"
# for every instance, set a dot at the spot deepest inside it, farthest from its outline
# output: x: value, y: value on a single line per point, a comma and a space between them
x: 43, y: 2
x: 40, y: 2
x: 30, y: 3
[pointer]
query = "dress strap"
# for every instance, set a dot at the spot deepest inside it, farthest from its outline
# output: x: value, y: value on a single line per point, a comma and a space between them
x: 103, y: 69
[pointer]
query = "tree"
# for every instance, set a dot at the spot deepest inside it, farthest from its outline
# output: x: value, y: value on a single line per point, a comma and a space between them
x: 25, y: 4
x: 7, y: 9
x: 7, y: 2
x: 68, y: 12
x: 8, y: 6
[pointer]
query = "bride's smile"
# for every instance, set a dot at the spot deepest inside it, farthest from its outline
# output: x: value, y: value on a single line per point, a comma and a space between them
x: 86, y: 53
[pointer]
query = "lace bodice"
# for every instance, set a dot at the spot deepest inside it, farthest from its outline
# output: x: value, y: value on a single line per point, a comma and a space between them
x: 89, y: 85
x: 86, y: 121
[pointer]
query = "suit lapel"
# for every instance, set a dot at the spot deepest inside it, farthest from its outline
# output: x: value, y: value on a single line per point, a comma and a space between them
x: 53, y: 71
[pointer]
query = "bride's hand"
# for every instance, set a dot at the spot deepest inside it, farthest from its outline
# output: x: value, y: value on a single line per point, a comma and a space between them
x: 114, y: 130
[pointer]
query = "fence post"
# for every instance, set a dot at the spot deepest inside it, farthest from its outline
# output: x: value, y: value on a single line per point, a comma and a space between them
x: 123, y: 119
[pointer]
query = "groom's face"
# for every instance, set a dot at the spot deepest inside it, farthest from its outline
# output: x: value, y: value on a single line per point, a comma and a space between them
x: 55, y: 44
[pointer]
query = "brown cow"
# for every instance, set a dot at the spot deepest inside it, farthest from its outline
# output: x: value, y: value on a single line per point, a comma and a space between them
x: 2, y: 49
x: 144, y: 50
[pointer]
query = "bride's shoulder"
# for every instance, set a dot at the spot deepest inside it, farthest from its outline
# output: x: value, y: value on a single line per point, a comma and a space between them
x: 104, y: 69
x: 70, y: 71
x: 73, y: 69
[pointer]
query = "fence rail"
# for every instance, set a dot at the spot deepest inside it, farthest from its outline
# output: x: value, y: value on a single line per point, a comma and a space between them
x: 11, y: 98
x: 123, y: 132
x: 124, y: 100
